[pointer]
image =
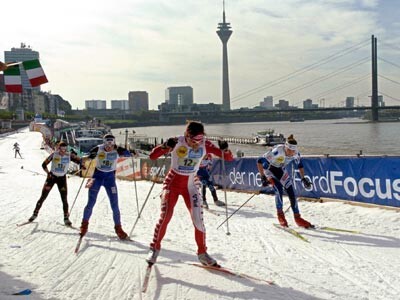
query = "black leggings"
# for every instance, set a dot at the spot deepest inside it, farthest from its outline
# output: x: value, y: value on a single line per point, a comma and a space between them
x: 48, y: 185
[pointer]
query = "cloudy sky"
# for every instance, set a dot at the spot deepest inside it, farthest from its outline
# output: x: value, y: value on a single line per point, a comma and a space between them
x: 291, y: 49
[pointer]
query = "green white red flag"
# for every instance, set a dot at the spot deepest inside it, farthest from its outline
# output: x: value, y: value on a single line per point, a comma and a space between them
x: 12, y: 79
x: 35, y: 72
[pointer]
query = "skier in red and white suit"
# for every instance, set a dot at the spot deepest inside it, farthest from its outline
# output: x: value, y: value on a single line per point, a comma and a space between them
x: 186, y: 154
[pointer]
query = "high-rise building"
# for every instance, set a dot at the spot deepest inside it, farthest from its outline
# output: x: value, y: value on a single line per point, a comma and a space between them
x: 307, y: 104
x: 23, y: 53
x: 381, y: 103
x: 268, y: 102
x: 224, y: 32
x: 138, y: 101
x: 95, y: 104
x: 349, y: 102
x: 179, y: 95
x: 282, y: 104
x: 120, y: 104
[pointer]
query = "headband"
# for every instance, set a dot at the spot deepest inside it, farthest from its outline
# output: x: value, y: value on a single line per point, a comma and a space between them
x: 291, y: 146
x: 197, y: 138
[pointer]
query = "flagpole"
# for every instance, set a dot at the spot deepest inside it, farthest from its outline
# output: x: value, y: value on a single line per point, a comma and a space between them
x: 4, y: 66
x: 13, y: 64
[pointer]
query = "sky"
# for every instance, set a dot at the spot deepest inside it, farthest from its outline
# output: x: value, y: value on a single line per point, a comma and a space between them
x: 40, y: 256
x: 103, y: 49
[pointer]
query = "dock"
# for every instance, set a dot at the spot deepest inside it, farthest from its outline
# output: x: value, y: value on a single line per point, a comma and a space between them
x: 233, y: 139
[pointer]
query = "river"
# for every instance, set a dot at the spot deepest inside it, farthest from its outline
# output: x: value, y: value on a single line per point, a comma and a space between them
x: 314, y: 137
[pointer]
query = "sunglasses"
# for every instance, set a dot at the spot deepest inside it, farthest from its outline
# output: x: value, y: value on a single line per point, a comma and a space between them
x: 197, y: 139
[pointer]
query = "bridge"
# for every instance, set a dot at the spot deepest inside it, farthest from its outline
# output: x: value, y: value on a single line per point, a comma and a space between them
x: 373, y: 75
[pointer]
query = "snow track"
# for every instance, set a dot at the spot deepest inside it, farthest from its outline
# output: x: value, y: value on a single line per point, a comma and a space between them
x: 40, y: 256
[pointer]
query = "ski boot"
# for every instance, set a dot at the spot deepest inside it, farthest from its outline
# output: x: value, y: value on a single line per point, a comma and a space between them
x: 216, y: 201
x: 219, y: 203
x: 67, y: 222
x: 207, y: 260
x: 84, y: 227
x: 34, y: 216
x: 301, y: 222
x: 121, y: 234
x: 282, y: 219
x: 152, y: 256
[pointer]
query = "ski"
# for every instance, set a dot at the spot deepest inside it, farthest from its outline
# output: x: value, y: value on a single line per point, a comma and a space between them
x: 24, y: 223
x: 78, y: 245
x: 292, y: 232
x: 212, y: 211
x: 232, y: 273
x: 146, y: 277
x: 69, y: 226
x: 117, y: 239
x: 337, y: 229
x: 240, y: 205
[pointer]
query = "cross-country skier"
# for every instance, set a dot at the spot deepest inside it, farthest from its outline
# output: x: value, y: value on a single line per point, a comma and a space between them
x: 60, y: 160
x: 272, y: 167
x: 16, y: 149
x: 105, y: 157
x: 204, y: 175
x: 186, y: 154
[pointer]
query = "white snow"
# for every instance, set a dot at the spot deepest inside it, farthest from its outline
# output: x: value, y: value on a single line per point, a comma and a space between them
x: 40, y: 256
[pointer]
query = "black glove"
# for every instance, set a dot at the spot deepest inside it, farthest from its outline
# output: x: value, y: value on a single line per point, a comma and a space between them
x: 50, y: 175
x: 171, y: 142
x: 264, y: 180
x: 223, y: 145
x: 306, y: 182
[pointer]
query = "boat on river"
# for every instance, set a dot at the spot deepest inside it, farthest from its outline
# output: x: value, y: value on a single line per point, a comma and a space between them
x: 268, y: 137
x: 141, y: 142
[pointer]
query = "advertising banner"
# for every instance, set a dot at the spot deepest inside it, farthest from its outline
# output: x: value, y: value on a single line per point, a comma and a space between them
x: 126, y: 166
x: 373, y: 180
x: 154, y: 170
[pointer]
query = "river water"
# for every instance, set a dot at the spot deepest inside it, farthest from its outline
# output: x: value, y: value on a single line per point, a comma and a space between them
x: 314, y: 137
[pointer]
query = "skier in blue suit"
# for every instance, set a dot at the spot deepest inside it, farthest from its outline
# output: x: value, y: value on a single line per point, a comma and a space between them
x: 105, y: 156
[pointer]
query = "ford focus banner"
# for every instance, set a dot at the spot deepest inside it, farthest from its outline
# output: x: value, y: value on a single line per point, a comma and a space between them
x: 373, y: 180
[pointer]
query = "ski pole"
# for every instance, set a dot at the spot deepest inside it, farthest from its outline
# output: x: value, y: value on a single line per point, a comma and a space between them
x: 80, y: 187
x: 34, y: 172
x: 224, y: 186
x: 134, y: 179
x: 226, y: 220
x: 148, y: 195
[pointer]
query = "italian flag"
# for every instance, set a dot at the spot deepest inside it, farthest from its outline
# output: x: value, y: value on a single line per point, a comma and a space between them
x: 35, y: 72
x: 12, y: 79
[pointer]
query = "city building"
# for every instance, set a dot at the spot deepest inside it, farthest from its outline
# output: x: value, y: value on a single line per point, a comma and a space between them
x: 268, y: 102
x: 282, y: 104
x: 120, y: 104
x: 138, y: 101
x: 381, y: 103
x: 349, y: 102
x: 179, y: 95
x: 39, y: 103
x: 23, y: 53
x: 95, y: 104
x: 307, y: 104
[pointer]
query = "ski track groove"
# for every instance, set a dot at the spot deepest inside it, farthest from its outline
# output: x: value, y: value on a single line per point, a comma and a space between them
x: 356, y: 279
x: 372, y: 269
